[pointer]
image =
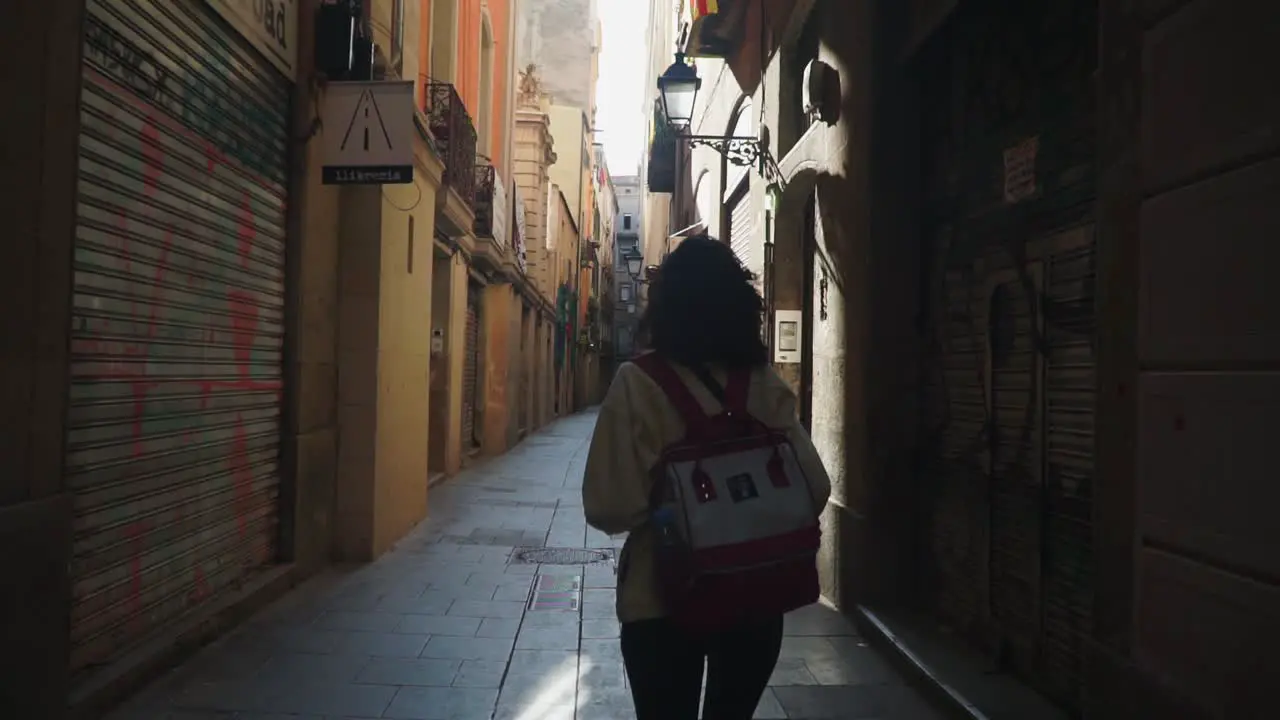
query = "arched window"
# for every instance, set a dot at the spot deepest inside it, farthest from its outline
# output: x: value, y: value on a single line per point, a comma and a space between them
x: 702, y: 194
x: 742, y: 124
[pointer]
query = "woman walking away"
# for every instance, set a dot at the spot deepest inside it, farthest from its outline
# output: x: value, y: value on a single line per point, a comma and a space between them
x: 699, y: 457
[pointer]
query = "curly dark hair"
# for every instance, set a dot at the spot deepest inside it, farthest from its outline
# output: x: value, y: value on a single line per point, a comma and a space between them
x: 704, y: 309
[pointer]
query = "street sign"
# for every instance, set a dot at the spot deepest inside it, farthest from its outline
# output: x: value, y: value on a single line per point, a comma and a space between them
x: 368, y: 133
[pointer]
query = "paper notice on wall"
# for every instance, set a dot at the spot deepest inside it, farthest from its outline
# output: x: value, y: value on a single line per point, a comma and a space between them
x: 1020, y: 170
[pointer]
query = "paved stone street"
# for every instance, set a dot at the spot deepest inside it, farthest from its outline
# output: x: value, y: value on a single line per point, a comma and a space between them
x: 459, y: 623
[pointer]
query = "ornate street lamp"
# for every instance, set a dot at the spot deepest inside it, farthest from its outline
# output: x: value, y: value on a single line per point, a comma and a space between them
x: 678, y: 88
x: 634, y: 262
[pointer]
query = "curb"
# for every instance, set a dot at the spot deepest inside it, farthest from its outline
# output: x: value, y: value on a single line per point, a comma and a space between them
x: 921, y: 675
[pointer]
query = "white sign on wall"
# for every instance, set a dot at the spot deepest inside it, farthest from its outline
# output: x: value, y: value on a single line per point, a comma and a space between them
x: 368, y: 133
x: 501, y: 216
x: 1020, y: 170
x: 270, y: 26
x: 788, y: 329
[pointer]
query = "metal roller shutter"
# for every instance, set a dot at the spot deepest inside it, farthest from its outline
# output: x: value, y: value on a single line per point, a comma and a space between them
x: 1013, y: 386
x: 1070, y: 400
x: 1009, y: 391
x: 177, y: 327
x: 471, y: 371
x: 741, y: 224
x: 954, y: 437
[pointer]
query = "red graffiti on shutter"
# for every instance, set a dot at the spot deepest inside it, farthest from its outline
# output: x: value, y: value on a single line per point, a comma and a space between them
x: 142, y: 384
x: 125, y: 354
x: 246, y: 231
x: 212, y: 156
x: 241, y: 475
x: 201, y: 589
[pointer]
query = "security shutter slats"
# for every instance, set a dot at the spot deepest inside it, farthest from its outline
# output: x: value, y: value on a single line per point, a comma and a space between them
x: 173, y: 424
x: 1071, y: 398
x: 741, y: 224
x: 471, y: 369
x: 958, y: 413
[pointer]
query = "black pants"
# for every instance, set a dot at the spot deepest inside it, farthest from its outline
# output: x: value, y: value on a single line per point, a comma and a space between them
x: 664, y: 666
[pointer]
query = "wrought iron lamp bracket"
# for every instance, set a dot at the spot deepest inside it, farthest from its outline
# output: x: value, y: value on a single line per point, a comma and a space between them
x: 741, y: 151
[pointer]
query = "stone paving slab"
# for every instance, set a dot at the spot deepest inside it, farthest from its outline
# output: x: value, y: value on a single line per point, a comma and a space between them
x: 440, y: 628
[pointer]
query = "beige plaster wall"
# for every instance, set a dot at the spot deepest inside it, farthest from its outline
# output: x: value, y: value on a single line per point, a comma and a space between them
x: 403, y: 365
x: 385, y: 281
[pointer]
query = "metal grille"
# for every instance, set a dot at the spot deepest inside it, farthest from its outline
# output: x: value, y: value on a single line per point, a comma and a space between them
x: 1070, y: 397
x: 1008, y: 545
x: 470, y: 370
x: 955, y: 433
x: 560, y: 556
x: 177, y: 326
x: 1014, y: 461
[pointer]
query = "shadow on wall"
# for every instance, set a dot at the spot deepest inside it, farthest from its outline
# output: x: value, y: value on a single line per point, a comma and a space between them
x: 862, y: 284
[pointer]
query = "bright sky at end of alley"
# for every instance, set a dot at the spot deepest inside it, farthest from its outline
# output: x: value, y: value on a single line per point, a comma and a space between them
x: 621, y: 91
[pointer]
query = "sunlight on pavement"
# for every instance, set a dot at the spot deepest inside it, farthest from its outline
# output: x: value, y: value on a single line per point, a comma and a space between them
x: 559, y: 692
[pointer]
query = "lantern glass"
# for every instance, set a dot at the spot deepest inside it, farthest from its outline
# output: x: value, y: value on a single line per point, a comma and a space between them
x: 679, y: 87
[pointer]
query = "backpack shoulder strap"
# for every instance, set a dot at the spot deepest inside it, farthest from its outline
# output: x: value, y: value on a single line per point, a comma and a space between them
x: 673, y: 386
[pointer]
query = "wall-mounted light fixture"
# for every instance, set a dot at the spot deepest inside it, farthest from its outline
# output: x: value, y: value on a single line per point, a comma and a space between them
x: 678, y: 89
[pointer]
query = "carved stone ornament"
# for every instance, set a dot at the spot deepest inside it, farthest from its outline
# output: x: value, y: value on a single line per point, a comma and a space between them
x: 530, y: 93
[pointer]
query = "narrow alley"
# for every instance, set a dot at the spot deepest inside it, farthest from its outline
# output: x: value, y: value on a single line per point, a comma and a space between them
x: 500, y: 605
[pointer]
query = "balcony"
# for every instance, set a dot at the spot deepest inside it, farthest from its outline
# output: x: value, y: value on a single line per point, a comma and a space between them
x: 455, y: 137
x: 492, y: 221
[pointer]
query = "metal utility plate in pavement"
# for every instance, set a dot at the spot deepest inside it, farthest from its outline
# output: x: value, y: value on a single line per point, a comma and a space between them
x: 560, y: 556
x: 557, y: 592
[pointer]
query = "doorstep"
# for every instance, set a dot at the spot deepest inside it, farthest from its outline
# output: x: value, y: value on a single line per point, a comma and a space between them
x: 959, y: 676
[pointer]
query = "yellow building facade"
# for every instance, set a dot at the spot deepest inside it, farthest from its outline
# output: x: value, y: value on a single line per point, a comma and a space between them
x: 232, y: 374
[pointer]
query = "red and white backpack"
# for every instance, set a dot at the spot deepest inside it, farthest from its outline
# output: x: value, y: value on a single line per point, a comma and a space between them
x: 733, y: 515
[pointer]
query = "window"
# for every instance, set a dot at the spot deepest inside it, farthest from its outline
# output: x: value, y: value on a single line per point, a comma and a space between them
x: 485, y: 131
x: 626, y: 221
x: 624, y: 292
x: 702, y: 199
x: 444, y: 28
x: 397, y: 37
x: 743, y: 125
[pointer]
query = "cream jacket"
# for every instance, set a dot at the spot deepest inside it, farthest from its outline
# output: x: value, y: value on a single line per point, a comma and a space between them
x: 636, y: 422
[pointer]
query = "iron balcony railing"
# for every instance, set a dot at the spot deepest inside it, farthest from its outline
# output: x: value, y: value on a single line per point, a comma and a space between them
x: 484, y: 183
x: 455, y: 136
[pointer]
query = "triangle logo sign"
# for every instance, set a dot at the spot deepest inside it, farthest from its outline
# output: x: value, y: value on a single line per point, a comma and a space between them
x: 366, y: 131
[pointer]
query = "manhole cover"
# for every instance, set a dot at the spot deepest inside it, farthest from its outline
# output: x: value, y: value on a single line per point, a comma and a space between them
x: 560, y: 556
